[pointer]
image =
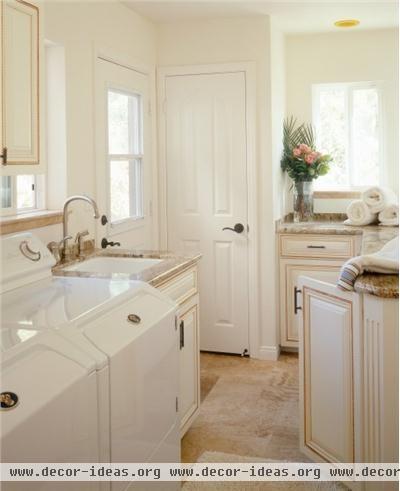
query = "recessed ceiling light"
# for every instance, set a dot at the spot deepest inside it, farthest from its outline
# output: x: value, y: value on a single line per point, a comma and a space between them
x: 347, y: 23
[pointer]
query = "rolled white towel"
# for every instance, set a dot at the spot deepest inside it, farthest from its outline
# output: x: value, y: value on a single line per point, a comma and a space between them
x: 390, y: 215
x: 384, y: 261
x: 377, y: 198
x: 359, y: 214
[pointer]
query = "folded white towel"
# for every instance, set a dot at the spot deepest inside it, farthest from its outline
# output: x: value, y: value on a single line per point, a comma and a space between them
x: 390, y: 215
x: 384, y: 261
x: 359, y: 214
x: 377, y: 198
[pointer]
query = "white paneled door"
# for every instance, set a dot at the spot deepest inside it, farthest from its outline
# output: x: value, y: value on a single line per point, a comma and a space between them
x: 206, y: 178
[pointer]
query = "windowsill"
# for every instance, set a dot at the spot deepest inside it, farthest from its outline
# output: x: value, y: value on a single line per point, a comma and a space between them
x: 26, y: 221
x: 337, y: 194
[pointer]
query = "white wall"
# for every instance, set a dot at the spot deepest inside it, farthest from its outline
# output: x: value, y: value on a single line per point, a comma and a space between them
x: 80, y: 28
x: 278, y: 111
x: 236, y: 40
x: 349, y: 56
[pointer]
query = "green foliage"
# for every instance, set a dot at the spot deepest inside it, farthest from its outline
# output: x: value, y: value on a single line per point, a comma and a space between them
x: 302, y: 138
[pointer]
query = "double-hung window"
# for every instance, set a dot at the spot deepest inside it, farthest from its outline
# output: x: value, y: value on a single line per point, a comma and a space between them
x: 348, y: 122
x: 21, y: 194
x: 125, y: 156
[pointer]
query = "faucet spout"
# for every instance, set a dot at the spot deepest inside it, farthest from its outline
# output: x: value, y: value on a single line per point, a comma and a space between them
x: 69, y: 200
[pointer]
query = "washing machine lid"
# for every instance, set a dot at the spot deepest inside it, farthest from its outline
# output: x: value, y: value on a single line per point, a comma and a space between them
x: 36, y: 372
x: 58, y: 302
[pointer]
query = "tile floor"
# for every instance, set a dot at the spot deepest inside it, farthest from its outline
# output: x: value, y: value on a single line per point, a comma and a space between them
x: 249, y: 408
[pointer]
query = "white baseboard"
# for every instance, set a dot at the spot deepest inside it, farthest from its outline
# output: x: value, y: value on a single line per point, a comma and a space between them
x: 268, y: 353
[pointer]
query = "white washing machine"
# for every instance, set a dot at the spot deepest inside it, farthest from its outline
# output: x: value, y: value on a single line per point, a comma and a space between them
x: 126, y: 338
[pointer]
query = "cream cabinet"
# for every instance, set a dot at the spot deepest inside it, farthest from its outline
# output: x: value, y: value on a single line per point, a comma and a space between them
x: 20, y: 87
x: 316, y: 256
x: 330, y: 395
x: 183, y: 290
x: 348, y: 377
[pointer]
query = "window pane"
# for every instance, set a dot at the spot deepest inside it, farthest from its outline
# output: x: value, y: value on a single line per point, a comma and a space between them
x: 332, y: 136
x: 365, y: 137
x: 6, y: 198
x: 124, y: 121
x: 119, y: 190
x: 137, y: 188
x: 25, y: 192
x: 126, y: 189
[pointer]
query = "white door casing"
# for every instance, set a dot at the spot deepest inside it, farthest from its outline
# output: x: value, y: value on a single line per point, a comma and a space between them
x: 114, y: 75
x: 207, y: 152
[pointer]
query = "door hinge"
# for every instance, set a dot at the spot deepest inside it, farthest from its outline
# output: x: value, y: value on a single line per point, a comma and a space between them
x: 176, y: 405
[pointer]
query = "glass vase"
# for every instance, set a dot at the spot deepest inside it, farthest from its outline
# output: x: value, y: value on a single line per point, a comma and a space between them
x: 303, y: 201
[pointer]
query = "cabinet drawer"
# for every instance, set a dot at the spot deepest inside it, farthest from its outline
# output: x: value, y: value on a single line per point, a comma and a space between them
x: 315, y: 246
x: 182, y: 286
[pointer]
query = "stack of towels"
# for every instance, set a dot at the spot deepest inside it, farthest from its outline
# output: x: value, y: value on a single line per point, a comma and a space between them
x: 376, y: 204
x: 384, y: 261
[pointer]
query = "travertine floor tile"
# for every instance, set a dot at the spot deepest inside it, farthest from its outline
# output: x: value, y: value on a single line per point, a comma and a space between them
x: 249, y: 408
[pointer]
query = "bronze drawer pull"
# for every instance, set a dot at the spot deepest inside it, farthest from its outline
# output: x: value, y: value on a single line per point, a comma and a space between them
x: 315, y: 247
x: 182, y: 334
x: 4, y: 155
x: 296, y: 307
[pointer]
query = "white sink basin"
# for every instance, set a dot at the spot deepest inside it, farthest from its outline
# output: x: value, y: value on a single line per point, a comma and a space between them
x: 108, y: 265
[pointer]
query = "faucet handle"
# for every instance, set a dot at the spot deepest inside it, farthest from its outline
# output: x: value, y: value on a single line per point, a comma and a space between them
x: 64, y: 240
x: 54, y: 248
x: 78, y: 240
x: 79, y: 236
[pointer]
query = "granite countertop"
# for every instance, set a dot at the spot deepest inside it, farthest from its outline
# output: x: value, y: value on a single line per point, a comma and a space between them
x: 374, y: 237
x: 171, y: 265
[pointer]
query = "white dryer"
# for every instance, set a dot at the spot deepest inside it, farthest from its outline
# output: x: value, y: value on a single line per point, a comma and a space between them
x: 125, y: 329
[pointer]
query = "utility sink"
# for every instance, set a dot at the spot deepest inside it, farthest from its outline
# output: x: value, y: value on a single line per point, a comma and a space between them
x: 108, y: 265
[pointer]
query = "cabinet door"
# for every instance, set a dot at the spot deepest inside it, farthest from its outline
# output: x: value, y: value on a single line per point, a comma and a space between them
x: 20, y: 83
x: 291, y: 270
x: 330, y: 402
x: 189, y: 400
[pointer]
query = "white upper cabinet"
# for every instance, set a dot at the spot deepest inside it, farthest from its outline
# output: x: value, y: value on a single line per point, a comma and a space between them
x: 20, y: 48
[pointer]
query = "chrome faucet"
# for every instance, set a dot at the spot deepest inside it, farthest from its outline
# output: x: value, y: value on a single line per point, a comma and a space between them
x: 69, y: 200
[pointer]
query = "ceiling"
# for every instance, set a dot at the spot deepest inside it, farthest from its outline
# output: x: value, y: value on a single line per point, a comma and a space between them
x: 297, y: 16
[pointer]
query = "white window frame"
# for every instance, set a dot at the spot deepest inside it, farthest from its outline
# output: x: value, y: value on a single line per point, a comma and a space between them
x: 115, y: 227
x: 349, y: 88
x: 39, y: 204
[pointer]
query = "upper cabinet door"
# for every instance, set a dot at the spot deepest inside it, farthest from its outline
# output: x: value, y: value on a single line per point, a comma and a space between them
x: 20, y: 83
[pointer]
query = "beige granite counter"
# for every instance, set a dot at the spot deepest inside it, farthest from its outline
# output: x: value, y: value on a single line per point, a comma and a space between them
x: 171, y: 265
x: 374, y: 237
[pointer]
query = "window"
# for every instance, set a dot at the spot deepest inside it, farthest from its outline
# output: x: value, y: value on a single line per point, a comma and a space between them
x: 21, y: 194
x: 125, y: 156
x: 347, y: 119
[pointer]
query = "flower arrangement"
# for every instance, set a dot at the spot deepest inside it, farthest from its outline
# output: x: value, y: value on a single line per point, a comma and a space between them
x: 299, y: 158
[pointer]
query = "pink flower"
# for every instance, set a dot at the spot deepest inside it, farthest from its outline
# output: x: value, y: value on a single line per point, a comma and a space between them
x: 315, y: 155
x: 297, y: 152
x: 309, y: 159
x: 304, y: 148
